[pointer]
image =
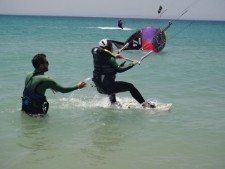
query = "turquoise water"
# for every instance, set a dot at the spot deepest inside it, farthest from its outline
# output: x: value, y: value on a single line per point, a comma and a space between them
x: 81, y: 130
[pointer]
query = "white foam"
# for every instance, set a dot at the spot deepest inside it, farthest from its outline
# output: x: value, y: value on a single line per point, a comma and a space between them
x: 114, y: 28
x: 103, y: 101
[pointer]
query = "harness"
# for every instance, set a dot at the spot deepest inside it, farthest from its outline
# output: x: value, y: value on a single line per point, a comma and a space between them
x: 101, y: 65
x: 103, y: 74
x: 34, y: 103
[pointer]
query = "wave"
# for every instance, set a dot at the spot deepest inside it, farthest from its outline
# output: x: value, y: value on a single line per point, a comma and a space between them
x: 111, y: 28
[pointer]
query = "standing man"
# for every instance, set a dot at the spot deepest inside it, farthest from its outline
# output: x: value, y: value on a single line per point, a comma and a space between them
x: 105, y: 70
x: 34, y: 101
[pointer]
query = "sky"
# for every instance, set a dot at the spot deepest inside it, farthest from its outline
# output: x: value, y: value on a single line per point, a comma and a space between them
x: 197, y: 9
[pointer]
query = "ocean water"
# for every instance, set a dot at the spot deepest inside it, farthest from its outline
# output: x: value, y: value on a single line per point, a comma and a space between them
x: 82, y: 130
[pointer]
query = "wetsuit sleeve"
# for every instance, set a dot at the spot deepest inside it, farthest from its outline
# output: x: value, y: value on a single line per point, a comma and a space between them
x: 49, y: 83
x: 119, y: 68
x: 55, y: 86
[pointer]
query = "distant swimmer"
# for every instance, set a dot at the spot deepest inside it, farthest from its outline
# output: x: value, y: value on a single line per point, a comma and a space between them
x: 120, y: 24
x: 34, y: 102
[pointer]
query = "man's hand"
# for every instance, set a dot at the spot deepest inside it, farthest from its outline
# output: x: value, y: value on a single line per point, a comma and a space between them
x: 118, y: 56
x: 81, y: 85
x: 135, y: 62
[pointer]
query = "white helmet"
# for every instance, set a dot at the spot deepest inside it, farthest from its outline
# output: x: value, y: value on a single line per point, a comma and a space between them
x: 103, y: 43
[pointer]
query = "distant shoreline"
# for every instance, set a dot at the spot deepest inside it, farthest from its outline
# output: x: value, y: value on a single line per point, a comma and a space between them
x: 111, y: 17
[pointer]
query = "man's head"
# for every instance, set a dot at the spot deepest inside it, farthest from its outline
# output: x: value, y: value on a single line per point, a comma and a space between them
x: 106, y: 44
x: 40, y: 62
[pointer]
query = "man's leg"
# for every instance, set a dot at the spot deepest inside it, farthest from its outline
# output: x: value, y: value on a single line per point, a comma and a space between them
x: 121, y: 86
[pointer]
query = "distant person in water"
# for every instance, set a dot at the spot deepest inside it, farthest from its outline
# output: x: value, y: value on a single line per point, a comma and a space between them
x: 34, y: 102
x: 120, y: 24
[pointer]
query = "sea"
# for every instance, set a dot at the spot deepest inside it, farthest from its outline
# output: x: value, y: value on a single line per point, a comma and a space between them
x: 82, y: 130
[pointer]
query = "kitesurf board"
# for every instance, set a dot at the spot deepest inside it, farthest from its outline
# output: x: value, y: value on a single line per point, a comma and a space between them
x: 163, y: 107
x: 160, y: 107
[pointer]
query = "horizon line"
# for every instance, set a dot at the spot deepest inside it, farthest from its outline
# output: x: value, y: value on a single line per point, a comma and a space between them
x: 116, y: 17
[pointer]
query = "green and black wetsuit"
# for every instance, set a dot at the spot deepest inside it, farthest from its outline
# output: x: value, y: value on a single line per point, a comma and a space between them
x: 34, y: 101
x: 104, y: 74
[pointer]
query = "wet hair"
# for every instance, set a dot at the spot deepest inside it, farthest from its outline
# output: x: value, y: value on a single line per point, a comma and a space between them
x: 38, y: 59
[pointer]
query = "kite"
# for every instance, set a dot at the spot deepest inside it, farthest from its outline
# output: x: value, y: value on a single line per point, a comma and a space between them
x: 146, y: 38
x: 160, y: 9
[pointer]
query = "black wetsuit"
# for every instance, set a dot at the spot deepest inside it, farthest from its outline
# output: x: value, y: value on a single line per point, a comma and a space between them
x: 104, y: 74
x: 120, y: 24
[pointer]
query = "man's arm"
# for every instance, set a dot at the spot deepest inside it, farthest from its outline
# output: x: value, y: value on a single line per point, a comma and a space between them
x: 119, y: 68
x: 51, y: 84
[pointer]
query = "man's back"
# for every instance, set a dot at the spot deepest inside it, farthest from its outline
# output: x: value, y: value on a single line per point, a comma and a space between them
x: 38, y: 82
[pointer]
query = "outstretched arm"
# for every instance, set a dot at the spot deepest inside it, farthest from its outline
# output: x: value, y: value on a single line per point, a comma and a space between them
x: 56, y: 87
x: 122, y: 68
x: 51, y: 84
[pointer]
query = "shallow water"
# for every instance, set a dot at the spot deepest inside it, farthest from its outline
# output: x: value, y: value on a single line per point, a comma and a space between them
x: 82, y: 130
